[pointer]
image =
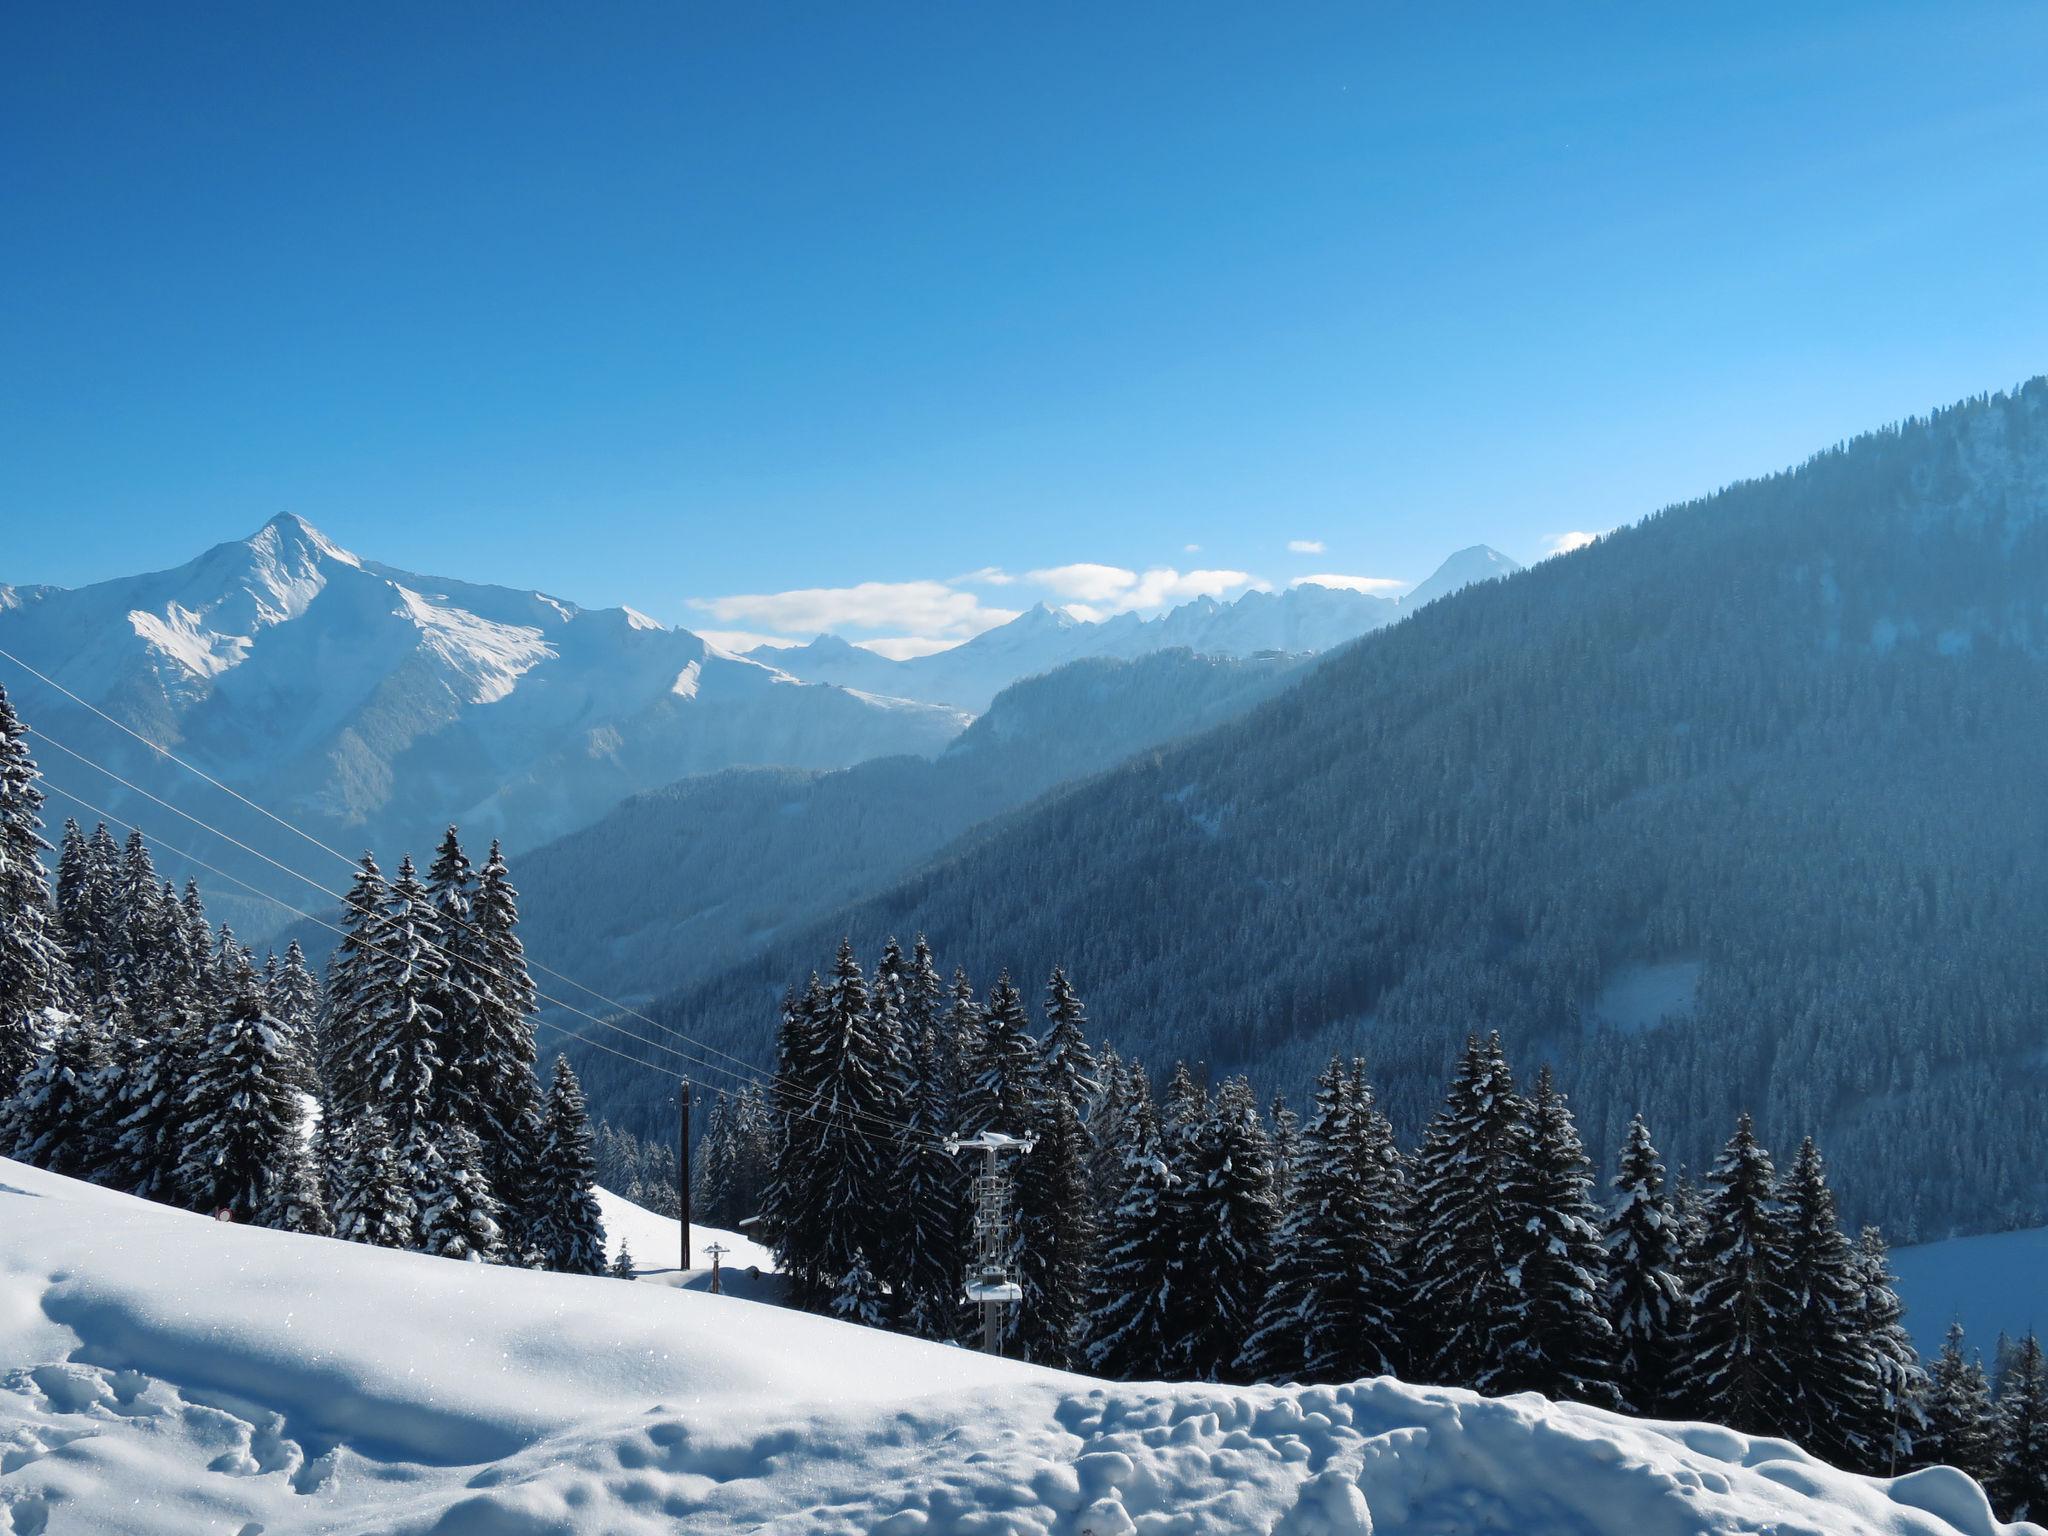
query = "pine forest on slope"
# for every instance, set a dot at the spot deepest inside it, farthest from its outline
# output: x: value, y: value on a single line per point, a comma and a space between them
x: 1784, y: 740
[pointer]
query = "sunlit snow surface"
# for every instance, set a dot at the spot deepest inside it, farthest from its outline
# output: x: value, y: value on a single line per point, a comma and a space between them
x: 160, y: 1372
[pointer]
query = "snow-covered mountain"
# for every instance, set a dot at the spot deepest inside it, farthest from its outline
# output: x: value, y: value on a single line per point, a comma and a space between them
x: 375, y: 704
x: 1302, y: 618
x: 164, y: 1373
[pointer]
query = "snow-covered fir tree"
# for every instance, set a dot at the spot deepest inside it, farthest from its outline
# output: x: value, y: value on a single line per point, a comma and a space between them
x: 504, y: 1088
x: 1739, y: 1340
x: 456, y: 1000
x: 1896, y: 1418
x: 458, y: 1215
x: 1645, y: 1298
x: 1961, y: 1422
x: 930, y: 1193
x: 348, y: 1053
x: 1001, y: 1066
x: 371, y: 1198
x: 568, y: 1229
x: 1468, y: 1223
x: 621, y: 1267
x: 2020, y: 1485
x: 790, y: 1208
x: 1229, y: 1210
x: 244, y: 1143
x: 52, y: 1116
x: 1832, y: 1369
x: 295, y: 1003
x: 1057, y: 1234
x: 1561, y: 1341
x: 858, y: 1295
x: 35, y: 976
x: 1133, y: 1310
x: 1066, y: 1060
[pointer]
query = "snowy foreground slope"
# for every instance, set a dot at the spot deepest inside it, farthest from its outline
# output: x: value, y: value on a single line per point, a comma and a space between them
x: 160, y: 1372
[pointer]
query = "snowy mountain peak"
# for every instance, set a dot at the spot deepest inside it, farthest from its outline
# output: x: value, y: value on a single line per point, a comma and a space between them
x: 1481, y: 562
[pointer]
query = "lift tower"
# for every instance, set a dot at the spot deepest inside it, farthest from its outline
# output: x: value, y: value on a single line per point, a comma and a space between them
x: 991, y: 1284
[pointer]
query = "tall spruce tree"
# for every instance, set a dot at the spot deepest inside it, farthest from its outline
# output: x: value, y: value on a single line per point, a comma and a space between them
x: 1896, y: 1417
x: 1002, y: 1067
x: 51, y: 1118
x: 1561, y: 1343
x: 34, y: 974
x: 1468, y: 1223
x: 1230, y: 1213
x: 1057, y: 1232
x: 1961, y: 1428
x: 458, y: 1215
x: 244, y: 1146
x: 568, y: 1227
x: 147, y: 1107
x: 791, y: 1217
x: 348, y: 1060
x: 930, y: 1194
x: 139, y: 901
x: 2020, y: 1485
x: 1833, y: 1370
x: 1066, y: 1061
x: 1739, y: 1343
x: 403, y: 1036
x: 372, y: 1198
x: 1134, y: 1306
x: 504, y: 1088
x: 857, y: 1112
x: 1645, y: 1296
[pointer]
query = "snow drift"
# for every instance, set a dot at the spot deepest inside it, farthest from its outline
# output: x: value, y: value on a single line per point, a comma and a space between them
x: 161, y: 1372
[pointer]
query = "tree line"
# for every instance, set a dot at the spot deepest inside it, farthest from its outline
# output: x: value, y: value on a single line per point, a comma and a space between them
x: 1193, y: 1237
x: 397, y: 1105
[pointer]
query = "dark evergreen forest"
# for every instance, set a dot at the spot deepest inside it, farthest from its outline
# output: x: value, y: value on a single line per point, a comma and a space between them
x: 1786, y: 738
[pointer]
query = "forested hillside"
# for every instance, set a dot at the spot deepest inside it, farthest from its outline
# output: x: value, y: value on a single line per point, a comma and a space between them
x: 1776, y: 752
x: 676, y: 883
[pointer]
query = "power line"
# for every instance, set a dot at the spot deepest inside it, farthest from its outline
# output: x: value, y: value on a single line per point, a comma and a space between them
x: 898, y: 1129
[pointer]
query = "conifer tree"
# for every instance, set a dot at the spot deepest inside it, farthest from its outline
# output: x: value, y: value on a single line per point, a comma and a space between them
x: 1057, y: 1235
x: 1833, y: 1370
x: 1896, y: 1417
x: 568, y: 1229
x: 372, y: 1198
x: 295, y: 1002
x: 505, y: 1091
x: 140, y: 900
x: 1285, y: 1134
x: 1123, y: 1085
x: 1468, y: 1223
x: 1962, y: 1429
x: 146, y: 1100
x: 50, y: 1118
x: 348, y: 1053
x: 856, y: 1113
x: 1133, y: 1305
x: 931, y: 1191
x: 400, y: 1031
x: 858, y: 1296
x: 87, y: 873
x: 622, y: 1263
x: 2020, y: 1485
x: 34, y: 975
x: 1001, y: 1068
x: 1561, y: 1343
x: 1230, y: 1211
x: 1066, y: 1061
x: 458, y: 1215
x: 457, y: 996
x: 242, y: 1134
x: 1184, y: 1116
x: 1645, y: 1297
x: 924, y: 993
x: 790, y: 1207
x: 1738, y: 1343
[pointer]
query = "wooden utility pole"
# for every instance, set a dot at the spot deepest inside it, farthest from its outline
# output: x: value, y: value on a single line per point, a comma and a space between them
x: 683, y: 1172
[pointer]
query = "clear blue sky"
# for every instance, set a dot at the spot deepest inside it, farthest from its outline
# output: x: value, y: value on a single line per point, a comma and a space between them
x: 646, y: 304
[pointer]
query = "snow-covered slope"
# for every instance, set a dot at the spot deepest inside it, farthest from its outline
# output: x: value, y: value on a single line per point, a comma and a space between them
x: 1989, y: 1284
x: 378, y: 704
x: 1302, y: 618
x: 162, y: 1373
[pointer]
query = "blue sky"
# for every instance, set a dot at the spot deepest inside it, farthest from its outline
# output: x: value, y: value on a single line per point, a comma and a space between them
x: 677, y: 305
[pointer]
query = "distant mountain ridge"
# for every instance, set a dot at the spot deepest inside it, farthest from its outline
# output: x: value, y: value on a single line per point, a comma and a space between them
x: 1302, y: 618
x: 374, y: 705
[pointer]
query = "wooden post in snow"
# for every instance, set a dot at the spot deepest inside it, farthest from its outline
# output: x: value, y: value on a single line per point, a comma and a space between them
x: 683, y: 1172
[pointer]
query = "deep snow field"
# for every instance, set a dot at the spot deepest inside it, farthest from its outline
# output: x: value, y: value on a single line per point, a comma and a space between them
x: 161, y: 1372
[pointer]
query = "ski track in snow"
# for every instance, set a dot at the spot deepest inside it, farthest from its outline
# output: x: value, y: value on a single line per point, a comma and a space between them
x: 160, y: 1372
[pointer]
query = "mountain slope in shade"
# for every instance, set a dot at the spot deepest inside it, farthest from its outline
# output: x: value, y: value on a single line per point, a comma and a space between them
x: 1782, y: 744
x: 169, y: 1375
x: 1302, y: 618
x: 671, y: 885
x: 375, y: 705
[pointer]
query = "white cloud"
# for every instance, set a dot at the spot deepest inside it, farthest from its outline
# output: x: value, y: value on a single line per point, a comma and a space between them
x: 1087, y: 613
x: 1192, y: 549
x: 1305, y: 546
x: 738, y: 640
x: 903, y: 647
x: 922, y: 607
x: 1565, y: 543
x: 1163, y: 585
x: 987, y: 576
x: 1086, y: 583
x: 1378, y: 586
